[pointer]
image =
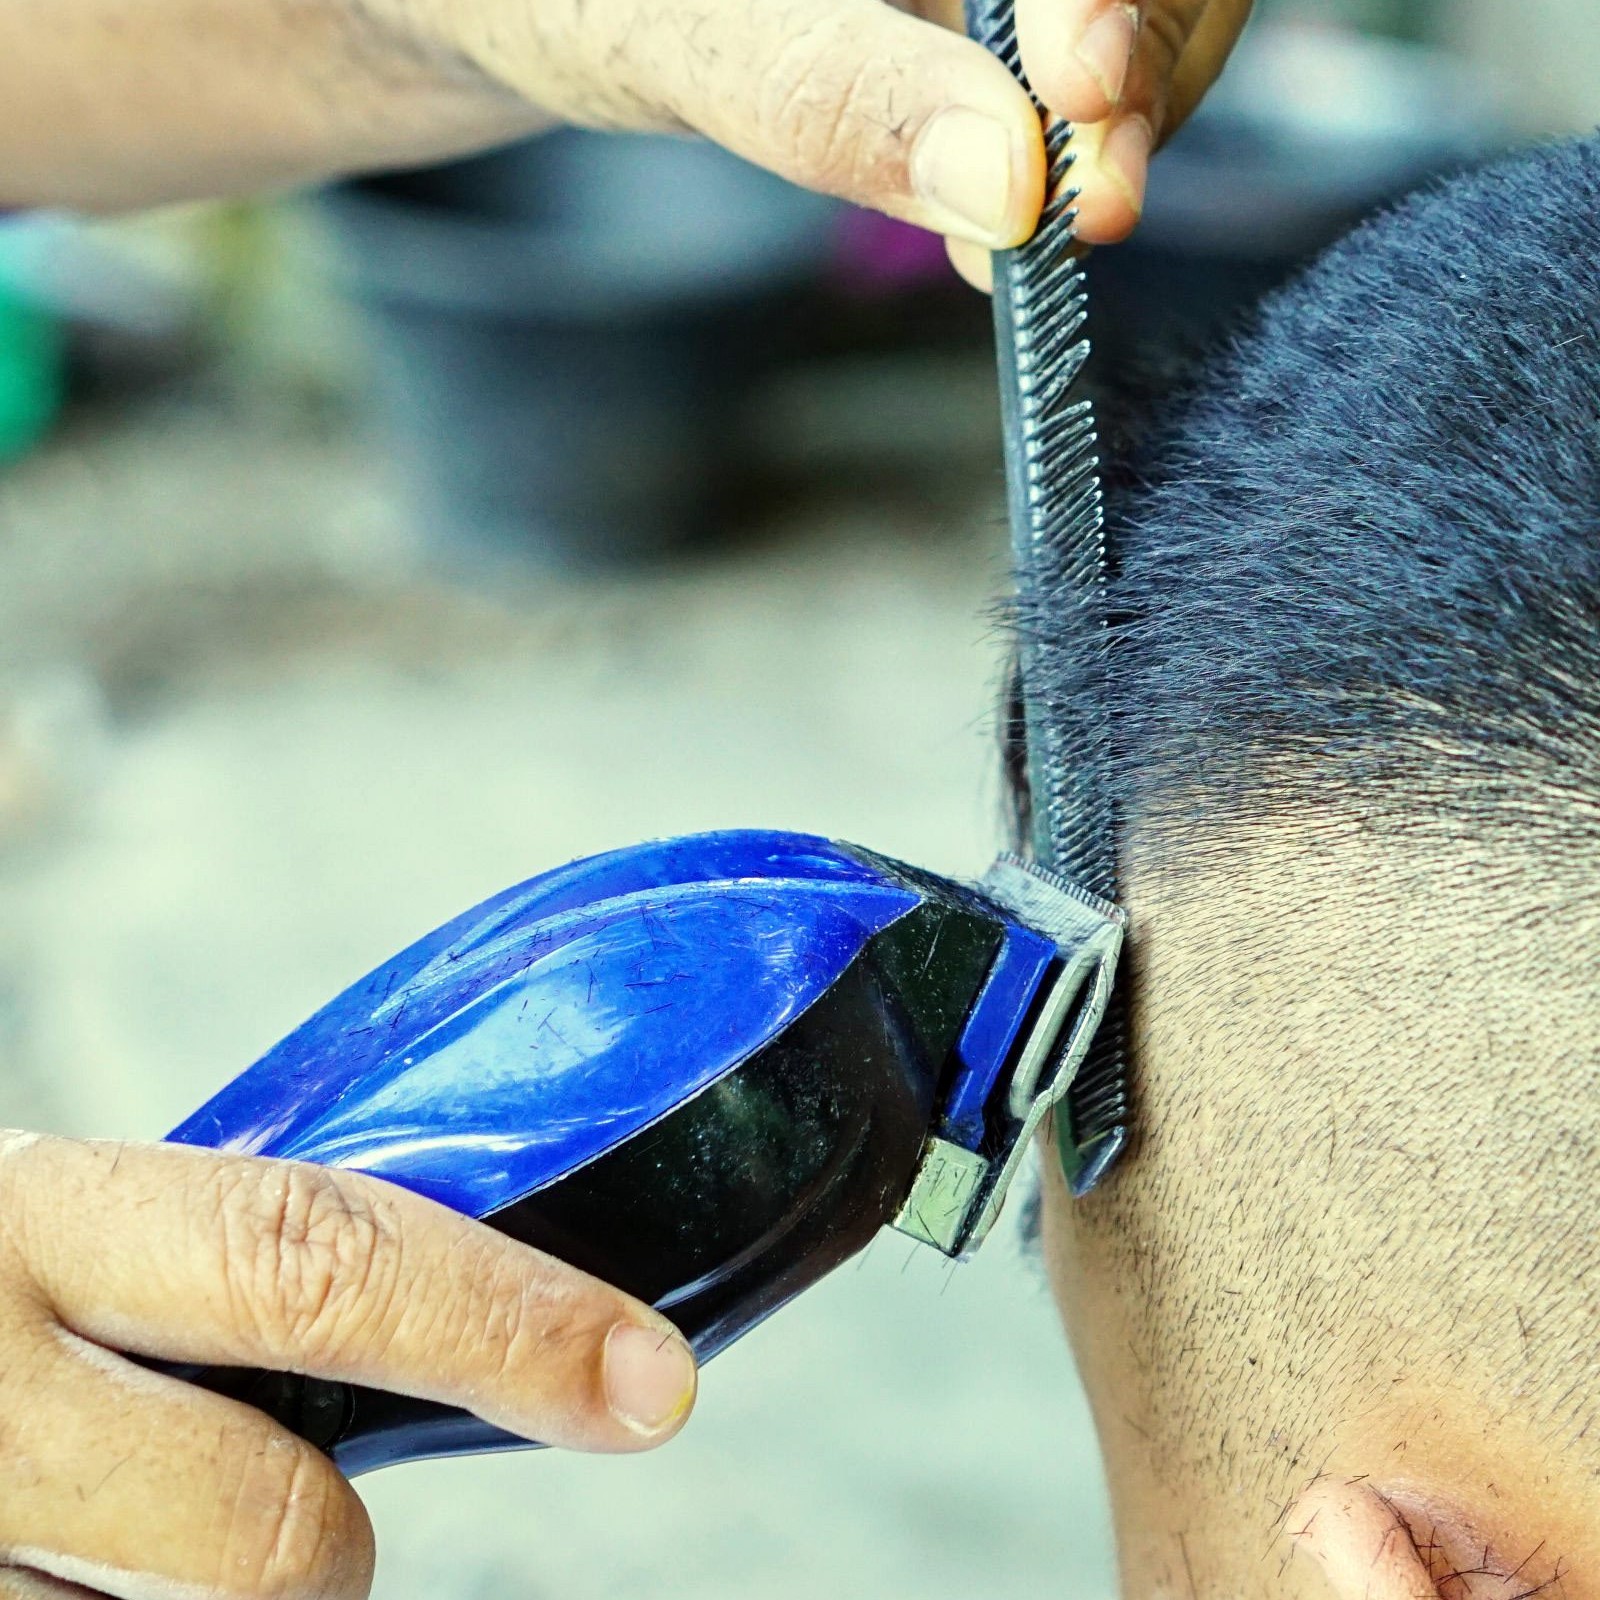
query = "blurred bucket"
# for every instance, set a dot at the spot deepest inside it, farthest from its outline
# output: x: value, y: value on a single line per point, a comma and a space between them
x: 563, y: 331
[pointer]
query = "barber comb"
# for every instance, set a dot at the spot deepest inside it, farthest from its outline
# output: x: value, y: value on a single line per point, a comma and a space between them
x: 1059, y: 554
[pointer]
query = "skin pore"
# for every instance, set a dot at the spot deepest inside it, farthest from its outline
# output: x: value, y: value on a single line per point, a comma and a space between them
x: 1334, y: 1311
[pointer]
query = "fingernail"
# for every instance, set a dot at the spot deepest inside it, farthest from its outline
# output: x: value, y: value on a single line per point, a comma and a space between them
x: 650, y: 1377
x: 1106, y: 49
x: 961, y: 168
x: 1125, y: 158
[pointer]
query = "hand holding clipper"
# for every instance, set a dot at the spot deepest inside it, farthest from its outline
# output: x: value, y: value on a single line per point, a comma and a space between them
x: 129, y: 1482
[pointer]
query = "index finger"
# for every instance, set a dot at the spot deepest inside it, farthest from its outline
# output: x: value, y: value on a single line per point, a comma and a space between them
x: 193, y: 1255
x: 1125, y: 73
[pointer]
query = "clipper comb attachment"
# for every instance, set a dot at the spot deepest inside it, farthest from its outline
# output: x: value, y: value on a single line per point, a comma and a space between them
x: 1058, y: 547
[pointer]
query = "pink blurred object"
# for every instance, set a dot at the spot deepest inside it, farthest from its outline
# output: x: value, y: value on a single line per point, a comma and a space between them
x: 876, y: 255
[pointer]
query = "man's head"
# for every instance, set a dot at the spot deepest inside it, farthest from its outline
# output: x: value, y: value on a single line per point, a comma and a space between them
x: 1346, y: 1287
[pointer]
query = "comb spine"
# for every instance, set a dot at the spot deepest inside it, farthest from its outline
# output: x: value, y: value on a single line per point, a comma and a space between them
x: 1058, y: 547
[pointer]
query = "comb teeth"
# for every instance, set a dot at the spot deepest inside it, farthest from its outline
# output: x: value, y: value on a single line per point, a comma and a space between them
x: 1058, y: 546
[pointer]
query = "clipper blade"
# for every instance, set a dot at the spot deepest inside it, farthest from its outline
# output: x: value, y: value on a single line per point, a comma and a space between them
x: 1058, y: 546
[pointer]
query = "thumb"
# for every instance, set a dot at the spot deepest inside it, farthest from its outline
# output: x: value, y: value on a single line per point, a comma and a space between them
x: 847, y: 97
x: 889, y: 111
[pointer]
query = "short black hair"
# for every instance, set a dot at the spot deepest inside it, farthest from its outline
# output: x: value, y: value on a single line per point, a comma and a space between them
x: 1357, y: 552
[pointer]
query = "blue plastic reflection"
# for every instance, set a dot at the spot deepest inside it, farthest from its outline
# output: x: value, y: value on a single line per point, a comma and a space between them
x: 533, y: 1033
x: 991, y: 1030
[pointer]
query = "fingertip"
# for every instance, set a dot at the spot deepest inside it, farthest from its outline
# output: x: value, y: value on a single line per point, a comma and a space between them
x: 651, y: 1380
x: 973, y: 263
x: 1110, y: 174
x: 977, y: 166
x: 1078, y: 56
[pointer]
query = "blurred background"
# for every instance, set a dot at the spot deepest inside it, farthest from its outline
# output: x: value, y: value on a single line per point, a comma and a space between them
x: 362, y: 553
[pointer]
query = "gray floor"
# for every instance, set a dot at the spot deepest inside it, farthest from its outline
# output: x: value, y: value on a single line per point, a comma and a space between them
x: 247, y: 749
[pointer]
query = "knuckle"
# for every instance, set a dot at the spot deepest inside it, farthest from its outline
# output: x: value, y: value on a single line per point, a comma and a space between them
x: 1166, y: 30
x: 833, y: 119
x: 492, y: 1323
x: 32, y: 1406
x: 514, y: 1318
x: 294, y: 1526
x: 308, y: 1260
x: 604, y: 67
x: 539, y: 1323
x: 504, y: 1322
x: 30, y: 1368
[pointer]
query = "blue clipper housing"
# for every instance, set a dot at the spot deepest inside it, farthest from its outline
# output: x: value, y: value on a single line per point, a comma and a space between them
x: 707, y: 1070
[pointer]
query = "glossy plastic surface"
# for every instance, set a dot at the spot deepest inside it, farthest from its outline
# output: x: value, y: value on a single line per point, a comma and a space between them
x: 991, y: 1030
x: 539, y: 1030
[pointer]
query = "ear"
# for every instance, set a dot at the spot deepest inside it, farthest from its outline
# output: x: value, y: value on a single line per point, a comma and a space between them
x: 1361, y: 1542
x: 1378, y: 1543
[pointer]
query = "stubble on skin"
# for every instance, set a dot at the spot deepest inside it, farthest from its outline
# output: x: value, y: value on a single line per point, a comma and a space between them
x: 1312, y: 1258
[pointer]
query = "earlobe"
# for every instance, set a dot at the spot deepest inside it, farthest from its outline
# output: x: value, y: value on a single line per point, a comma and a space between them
x: 1443, y: 1534
x: 1361, y: 1543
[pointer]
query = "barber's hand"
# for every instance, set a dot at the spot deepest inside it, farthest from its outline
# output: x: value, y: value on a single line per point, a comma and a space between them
x: 884, y: 107
x: 1126, y: 73
x: 121, y: 1481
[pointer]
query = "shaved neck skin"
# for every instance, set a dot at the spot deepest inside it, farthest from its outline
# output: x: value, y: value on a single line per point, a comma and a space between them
x: 1334, y: 1312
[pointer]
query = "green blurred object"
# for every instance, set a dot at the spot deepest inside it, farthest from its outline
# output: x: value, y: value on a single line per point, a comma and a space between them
x: 1395, y: 19
x: 32, y: 372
